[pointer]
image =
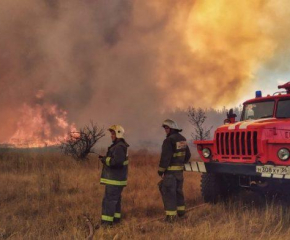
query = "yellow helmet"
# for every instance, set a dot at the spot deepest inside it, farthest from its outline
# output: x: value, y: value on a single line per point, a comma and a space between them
x: 118, y: 129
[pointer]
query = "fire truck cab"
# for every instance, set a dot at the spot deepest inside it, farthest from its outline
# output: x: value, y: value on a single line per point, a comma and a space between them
x: 252, y: 153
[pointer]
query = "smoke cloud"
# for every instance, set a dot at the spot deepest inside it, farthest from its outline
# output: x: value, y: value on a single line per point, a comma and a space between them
x: 133, y: 62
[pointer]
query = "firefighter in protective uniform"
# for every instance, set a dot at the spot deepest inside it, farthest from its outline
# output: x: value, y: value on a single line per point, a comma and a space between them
x: 175, y: 153
x: 114, y: 176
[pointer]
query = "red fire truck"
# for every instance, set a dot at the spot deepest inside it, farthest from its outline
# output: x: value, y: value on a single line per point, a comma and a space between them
x: 252, y: 153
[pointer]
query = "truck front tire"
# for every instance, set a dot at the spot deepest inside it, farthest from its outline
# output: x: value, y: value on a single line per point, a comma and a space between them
x: 210, y: 187
x: 215, y: 187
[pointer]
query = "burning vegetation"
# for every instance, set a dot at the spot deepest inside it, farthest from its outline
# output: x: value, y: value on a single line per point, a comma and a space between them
x: 40, y: 125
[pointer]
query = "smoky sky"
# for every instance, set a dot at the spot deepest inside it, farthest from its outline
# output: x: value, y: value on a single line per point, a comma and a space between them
x: 129, y: 62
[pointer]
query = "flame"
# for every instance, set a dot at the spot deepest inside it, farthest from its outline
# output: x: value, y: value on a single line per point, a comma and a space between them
x: 40, y: 126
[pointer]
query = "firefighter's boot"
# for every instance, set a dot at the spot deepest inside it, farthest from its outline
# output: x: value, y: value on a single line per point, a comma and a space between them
x: 170, y: 219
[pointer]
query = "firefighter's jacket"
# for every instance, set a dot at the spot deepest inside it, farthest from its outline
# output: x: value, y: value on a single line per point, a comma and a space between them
x: 115, y: 164
x: 175, y: 153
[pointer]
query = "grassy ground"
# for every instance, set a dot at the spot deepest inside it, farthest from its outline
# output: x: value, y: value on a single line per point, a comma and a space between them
x: 43, y: 195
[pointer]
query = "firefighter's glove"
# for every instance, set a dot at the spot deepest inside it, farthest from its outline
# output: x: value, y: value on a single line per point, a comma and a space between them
x: 160, y: 173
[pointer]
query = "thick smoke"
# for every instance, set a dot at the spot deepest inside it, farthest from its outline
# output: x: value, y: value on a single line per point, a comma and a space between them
x: 132, y: 62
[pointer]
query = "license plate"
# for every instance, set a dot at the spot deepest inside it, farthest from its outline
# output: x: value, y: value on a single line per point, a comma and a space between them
x: 273, y: 170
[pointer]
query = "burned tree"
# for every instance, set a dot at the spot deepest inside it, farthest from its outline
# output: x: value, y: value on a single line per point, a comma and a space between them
x: 197, y: 118
x: 79, y: 144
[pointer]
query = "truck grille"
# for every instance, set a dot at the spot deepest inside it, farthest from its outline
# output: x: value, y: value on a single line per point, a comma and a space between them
x: 240, y: 143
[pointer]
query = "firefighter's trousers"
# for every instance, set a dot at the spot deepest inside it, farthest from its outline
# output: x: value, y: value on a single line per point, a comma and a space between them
x: 111, y: 205
x: 171, y: 188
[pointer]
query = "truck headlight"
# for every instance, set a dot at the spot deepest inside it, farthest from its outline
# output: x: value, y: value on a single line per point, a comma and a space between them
x: 206, y: 152
x: 284, y: 154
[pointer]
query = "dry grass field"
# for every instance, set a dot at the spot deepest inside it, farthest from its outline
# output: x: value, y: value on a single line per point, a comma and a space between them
x: 43, y: 195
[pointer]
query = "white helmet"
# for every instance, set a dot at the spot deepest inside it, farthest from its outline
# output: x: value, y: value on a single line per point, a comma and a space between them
x: 171, y: 124
x: 118, y: 129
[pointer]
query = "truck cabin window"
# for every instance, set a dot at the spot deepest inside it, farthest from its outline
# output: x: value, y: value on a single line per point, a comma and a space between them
x: 283, y: 109
x: 258, y: 110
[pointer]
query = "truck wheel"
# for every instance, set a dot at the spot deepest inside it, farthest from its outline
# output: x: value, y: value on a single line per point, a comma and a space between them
x: 211, y: 187
x: 215, y: 187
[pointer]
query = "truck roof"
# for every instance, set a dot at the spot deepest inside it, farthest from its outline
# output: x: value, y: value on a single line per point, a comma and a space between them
x: 267, y: 98
x: 276, y: 96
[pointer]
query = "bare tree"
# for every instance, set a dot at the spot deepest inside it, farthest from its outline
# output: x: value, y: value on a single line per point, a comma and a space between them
x: 79, y: 144
x: 197, y: 118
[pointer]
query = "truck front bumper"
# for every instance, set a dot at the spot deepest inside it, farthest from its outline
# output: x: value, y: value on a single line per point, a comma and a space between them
x: 238, y: 169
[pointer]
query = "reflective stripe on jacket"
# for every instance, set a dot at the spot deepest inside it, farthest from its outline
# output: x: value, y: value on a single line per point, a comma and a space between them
x: 115, y: 164
x: 175, y: 153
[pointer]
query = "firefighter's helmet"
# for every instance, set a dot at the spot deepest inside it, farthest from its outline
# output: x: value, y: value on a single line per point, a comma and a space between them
x: 171, y: 124
x: 118, y: 129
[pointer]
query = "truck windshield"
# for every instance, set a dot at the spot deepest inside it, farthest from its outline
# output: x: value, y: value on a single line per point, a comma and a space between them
x: 258, y: 110
x: 283, y: 109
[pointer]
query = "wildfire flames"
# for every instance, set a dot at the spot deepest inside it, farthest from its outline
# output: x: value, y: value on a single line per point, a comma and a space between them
x: 40, y: 126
